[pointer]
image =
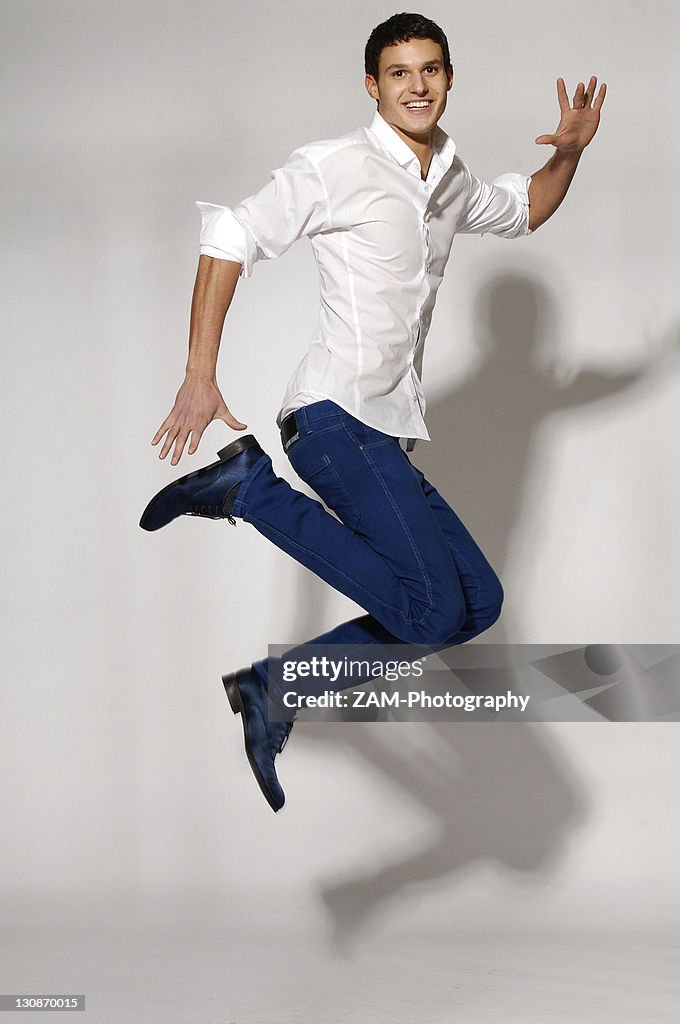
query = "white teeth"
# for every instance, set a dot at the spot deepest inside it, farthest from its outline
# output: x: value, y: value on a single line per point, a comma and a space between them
x: 418, y: 106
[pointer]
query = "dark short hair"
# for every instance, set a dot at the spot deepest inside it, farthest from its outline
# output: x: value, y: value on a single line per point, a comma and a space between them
x: 399, y: 29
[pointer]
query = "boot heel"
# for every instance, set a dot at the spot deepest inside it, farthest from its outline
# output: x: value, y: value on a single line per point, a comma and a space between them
x: 236, y: 447
x: 233, y: 695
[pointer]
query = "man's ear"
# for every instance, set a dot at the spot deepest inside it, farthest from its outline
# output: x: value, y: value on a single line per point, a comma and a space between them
x: 451, y: 75
x: 372, y: 87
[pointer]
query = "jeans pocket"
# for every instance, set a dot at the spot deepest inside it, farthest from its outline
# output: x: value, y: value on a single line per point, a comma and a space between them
x: 315, y: 466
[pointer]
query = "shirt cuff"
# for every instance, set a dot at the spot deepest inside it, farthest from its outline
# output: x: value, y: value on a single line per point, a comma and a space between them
x: 224, y: 237
x: 519, y: 185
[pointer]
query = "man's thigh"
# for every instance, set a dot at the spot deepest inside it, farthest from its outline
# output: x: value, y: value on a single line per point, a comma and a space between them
x: 366, y: 479
x: 480, y: 583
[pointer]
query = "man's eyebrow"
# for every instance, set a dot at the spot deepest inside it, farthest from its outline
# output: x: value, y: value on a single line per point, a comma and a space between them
x: 425, y: 64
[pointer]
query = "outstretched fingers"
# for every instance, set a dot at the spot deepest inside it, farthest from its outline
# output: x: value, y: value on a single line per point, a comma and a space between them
x: 161, y: 430
x: 599, y: 99
x: 586, y: 98
x: 172, y: 431
x: 562, y: 97
x: 579, y: 96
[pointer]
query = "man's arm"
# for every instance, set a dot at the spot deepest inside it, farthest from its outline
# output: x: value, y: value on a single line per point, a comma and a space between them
x: 293, y: 204
x: 578, y: 124
x: 198, y: 400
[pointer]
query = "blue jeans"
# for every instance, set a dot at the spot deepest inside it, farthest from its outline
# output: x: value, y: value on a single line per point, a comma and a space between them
x: 396, y: 547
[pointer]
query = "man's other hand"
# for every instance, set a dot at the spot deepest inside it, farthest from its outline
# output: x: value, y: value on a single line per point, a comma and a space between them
x: 197, y: 404
x: 578, y: 123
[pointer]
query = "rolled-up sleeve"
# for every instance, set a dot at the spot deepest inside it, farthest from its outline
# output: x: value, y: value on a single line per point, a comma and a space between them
x: 222, y: 234
x: 501, y: 208
x: 292, y: 205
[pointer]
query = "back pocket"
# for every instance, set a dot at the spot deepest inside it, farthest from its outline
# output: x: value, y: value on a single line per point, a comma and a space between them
x: 318, y: 471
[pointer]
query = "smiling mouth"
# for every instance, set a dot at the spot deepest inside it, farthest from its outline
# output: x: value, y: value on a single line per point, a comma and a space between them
x: 418, y: 105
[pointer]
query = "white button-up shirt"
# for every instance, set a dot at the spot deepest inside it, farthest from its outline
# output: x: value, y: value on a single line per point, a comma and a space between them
x: 381, y: 237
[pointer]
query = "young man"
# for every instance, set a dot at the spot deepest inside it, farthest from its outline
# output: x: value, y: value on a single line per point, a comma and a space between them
x: 381, y: 207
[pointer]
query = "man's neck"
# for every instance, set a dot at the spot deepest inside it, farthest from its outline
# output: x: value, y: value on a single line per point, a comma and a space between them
x: 422, y: 146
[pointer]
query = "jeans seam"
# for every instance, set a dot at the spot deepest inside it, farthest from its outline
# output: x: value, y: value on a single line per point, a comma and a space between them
x: 455, y: 553
x: 404, y: 526
x: 370, y: 444
x: 306, y: 433
x: 341, y: 483
x: 328, y: 465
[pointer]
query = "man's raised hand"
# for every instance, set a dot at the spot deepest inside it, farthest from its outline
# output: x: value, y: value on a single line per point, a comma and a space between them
x: 578, y: 122
x: 198, y: 403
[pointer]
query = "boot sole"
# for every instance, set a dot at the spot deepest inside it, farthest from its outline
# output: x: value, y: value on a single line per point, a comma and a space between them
x: 223, y: 455
x: 236, y: 703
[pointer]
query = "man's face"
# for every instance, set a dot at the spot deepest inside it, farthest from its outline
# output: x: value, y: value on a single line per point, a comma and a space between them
x: 411, y: 87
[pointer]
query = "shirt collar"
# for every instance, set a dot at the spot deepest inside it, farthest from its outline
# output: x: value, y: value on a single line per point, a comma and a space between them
x: 442, y: 157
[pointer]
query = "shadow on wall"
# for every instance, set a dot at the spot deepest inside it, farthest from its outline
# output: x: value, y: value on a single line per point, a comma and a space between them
x: 488, y: 452
x: 496, y: 792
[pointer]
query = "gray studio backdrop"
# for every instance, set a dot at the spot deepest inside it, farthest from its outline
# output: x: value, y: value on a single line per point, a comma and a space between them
x: 552, y: 375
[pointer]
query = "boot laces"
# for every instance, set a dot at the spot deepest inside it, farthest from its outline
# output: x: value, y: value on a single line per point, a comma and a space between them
x: 209, y: 512
x: 289, y: 727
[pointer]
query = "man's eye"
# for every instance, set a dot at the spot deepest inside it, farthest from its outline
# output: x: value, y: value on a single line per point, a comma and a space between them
x: 395, y: 73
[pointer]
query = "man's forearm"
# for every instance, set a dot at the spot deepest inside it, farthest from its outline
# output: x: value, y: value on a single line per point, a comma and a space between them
x: 549, y: 186
x: 213, y: 291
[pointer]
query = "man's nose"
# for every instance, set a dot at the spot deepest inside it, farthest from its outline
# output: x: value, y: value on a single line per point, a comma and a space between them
x: 418, y: 85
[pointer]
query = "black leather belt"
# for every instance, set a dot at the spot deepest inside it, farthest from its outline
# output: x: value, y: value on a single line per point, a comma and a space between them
x: 289, y: 430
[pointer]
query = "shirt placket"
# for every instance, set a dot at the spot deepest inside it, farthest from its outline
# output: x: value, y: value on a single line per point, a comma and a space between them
x: 424, y: 194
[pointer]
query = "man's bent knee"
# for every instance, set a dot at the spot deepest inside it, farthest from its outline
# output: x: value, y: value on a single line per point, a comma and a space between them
x: 439, y: 624
x: 488, y: 611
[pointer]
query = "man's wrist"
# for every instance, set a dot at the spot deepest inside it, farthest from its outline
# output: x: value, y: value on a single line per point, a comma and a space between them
x: 568, y: 158
x: 200, y: 374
